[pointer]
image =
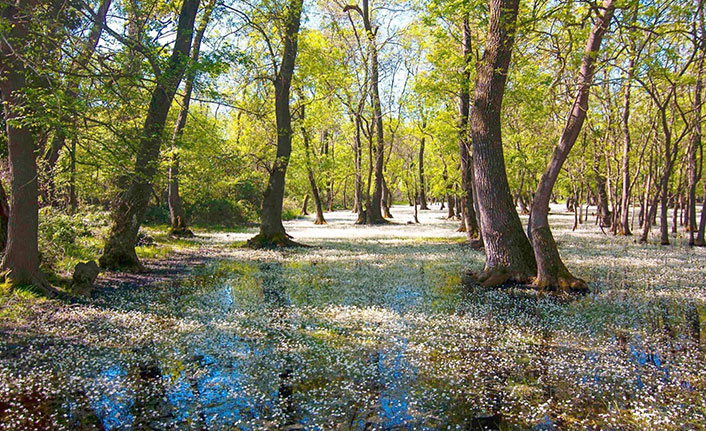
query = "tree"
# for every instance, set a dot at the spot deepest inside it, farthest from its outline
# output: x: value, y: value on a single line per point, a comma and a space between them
x: 177, y: 216
x: 551, y: 271
x: 508, y: 253
x: 469, y: 222
x: 21, y: 259
x: 131, y: 203
x: 374, y: 205
x: 272, y: 233
x: 695, y: 143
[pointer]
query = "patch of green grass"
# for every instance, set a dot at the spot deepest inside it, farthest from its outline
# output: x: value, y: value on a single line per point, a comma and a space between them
x: 446, y: 240
x: 157, y: 251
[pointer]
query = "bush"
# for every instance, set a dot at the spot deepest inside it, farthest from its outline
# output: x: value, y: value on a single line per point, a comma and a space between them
x: 157, y: 215
x: 220, y: 212
x: 65, y: 239
x: 290, y: 209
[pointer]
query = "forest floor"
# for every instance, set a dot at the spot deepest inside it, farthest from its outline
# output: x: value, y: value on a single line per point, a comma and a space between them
x: 368, y: 329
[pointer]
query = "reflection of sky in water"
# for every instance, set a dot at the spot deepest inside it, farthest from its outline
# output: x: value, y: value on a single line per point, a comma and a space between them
x: 231, y: 379
x: 395, y: 376
x: 114, y: 405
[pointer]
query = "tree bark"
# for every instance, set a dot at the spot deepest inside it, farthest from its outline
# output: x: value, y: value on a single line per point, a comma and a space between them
x: 623, y: 227
x: 551, y: 271
x: 374, y: 214
x: 357, y: 156
x: 21, y: 258
x: 304, y: 211
x: 4, y: 217
x: 177, y: 215
x: 422, y: 183
x: 695, y: 138
x: 131, y: 202
x: 310, y: 175
x: 508, y: 253
x: 468, y: 216
x: 604, y: 219
x: 272, y: 232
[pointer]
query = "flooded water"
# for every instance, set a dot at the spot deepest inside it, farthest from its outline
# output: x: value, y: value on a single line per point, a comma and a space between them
x: 369, y: 330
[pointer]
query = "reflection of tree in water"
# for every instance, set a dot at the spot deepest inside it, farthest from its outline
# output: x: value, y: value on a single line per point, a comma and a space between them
x: 280, y: 337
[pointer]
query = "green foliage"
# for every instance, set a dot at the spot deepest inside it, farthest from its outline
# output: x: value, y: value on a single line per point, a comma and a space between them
x: 66, y: 239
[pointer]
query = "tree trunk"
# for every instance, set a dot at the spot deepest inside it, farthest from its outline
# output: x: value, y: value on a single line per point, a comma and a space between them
x: 468, y: 216
x: 603, y: 205
x: 129, y: 211
x: 357, y: 156
x: 21, y: 258
x: 305, y: 205
x: 4, y: 218
x: 272, y: 232
x: 386, y: 199
x: 551, y: 271
x: 508, y: 253
x: 422, y: 183
x: 310, y: 175
x: 374, y: 214
x: 177, y: 216
x: 623, y: 227
x: 700, y: 240
x: 695, y: 139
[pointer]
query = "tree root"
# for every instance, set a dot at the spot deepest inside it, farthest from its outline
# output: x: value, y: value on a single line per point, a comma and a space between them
x: 498, y: 277
x: 320, y: 222
x: 278, y: 240
x: 565, y: 283
x: 122, y: 262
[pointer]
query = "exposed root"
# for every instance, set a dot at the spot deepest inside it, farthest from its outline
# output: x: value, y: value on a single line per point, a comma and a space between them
x: 565, y: 283
x: 125, y: 262
x: 321, y: 221
x: 498, y: 277
x: 278, y: 240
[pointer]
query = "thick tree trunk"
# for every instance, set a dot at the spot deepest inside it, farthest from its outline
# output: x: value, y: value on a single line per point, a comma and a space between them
x: 508, y: 253
x: 700, y: 240
x: 177, y: 216
x: 272, y: 232
x: 695, y: 139
x: 129, y: 210
x: 21, y: 258
x: 468, y: 216
x: 4, y: 217
x: 551, y: 271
